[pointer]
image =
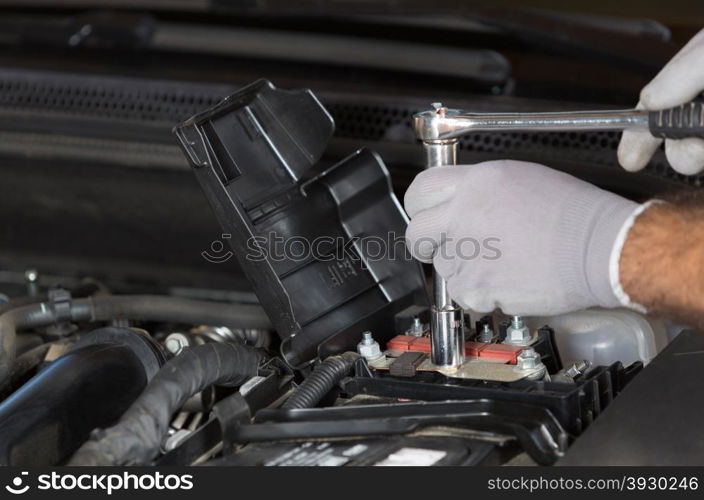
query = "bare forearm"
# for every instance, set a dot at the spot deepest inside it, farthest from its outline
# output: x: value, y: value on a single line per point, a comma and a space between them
x: 662, y: 262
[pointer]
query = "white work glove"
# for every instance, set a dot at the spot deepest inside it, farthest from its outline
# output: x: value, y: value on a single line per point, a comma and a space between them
x: 519, y: 236
x: 680, y: 81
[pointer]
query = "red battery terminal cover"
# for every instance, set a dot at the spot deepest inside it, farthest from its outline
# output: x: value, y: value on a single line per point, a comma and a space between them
x: 495, y: 352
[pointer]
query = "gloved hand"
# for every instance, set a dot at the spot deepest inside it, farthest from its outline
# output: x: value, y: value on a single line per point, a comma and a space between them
x: 680, y: 81
x: 519, y: 236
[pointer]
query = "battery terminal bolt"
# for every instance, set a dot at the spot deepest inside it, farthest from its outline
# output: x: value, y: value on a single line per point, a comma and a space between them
x: 518, y: 333
x: 369, y: 348
x: 530, y: 361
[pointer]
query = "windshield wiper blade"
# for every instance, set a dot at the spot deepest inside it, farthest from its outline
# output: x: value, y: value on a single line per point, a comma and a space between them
x: 641, y: 41
x: 485, y: 66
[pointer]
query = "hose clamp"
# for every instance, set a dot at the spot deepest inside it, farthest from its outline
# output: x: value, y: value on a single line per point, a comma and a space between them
x: 60, y: 303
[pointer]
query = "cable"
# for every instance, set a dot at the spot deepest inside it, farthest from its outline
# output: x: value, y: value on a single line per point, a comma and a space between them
x: 134, y: 307
x: 135, y: 439
x: 321, y: 381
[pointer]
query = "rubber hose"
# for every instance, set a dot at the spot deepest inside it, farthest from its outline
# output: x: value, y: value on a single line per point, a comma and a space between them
x: 80, y: 291
x: 25, y: 365
x: 21, y: 301
x: 136, y: 438
x: 324, y: 377
x: 47, y: 420
x: 134, y: 307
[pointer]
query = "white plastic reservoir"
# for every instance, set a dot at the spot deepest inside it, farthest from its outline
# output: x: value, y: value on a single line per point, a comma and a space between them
x: 604, y: 336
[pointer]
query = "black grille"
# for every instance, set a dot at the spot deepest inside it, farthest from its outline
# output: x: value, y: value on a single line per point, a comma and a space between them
x: 374, y: 123
x: 111, y: 98
x: 171, y: 102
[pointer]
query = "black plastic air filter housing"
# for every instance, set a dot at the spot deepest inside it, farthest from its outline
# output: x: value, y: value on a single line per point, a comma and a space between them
x: 322, y: 248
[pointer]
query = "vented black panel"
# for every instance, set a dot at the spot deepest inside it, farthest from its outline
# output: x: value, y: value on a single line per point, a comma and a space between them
x: 116, y: 98
x: 374, y: 123
x: 170, y: 102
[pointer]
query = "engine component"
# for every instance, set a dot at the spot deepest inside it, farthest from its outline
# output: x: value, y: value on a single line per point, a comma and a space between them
x: 176, y: 342
x: 543, y: 341
x: 536, y: 428
x: 31, y: 276
x: 273, y: 381
x: 605, y: 336
x: 392, y: 451
x: 413, y: 320
x: 575, y: 405
x: 518, y: 333
x: 657, y: 421
x: 528, y: 361
x: 27, y: 364
x: 321, y: 381
x: 407, y: 364
x: 136, y: 438
x: 485, y: 351
x: 417, y: 328
x: 299, y: 231
x: 138, y: 307
x: 486, y: 334
x: 47, y: 419
x: 369, y: 348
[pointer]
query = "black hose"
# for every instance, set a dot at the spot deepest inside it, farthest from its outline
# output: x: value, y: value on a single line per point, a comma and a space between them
x: 134, y: 307
x: 179, y: 310
x: 135, y: 439
x: 85, y: 289
x: 26, y: 365
x: 22, y: 301
x: 46, y: 420
x: 324, y: 377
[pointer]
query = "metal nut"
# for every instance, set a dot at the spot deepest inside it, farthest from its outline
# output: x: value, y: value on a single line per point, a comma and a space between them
x: 176, y: 342
x: 518, y: 333
x: 528, y: 359
x: 417, y: 329
x: 576, y: 369
x: 369, y: 348
x: 517, y: 336
x: 486, y: 334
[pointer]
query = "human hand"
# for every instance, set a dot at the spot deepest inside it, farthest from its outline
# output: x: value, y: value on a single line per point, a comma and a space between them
x: 519, y: 236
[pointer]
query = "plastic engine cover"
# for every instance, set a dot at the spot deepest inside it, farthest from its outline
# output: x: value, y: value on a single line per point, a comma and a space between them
x: 304, y: 235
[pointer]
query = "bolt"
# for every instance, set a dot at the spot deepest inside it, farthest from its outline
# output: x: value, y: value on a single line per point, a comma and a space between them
x: 529, y: 359
x: 517, y: 332
x: 487, y: 334
x: 577, y: 368
x: 31, y: 276
x: 369, y: 348
x: 439, y: 108
x: 417, y: 328
x: 517, y: 322
x: 176, y: 342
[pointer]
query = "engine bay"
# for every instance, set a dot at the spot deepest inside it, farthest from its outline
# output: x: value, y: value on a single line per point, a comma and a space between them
x: 202, y: 251
x: 333, y: 365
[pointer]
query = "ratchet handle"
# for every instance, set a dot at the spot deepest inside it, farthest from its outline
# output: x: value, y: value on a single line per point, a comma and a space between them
x: 679, y: 122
